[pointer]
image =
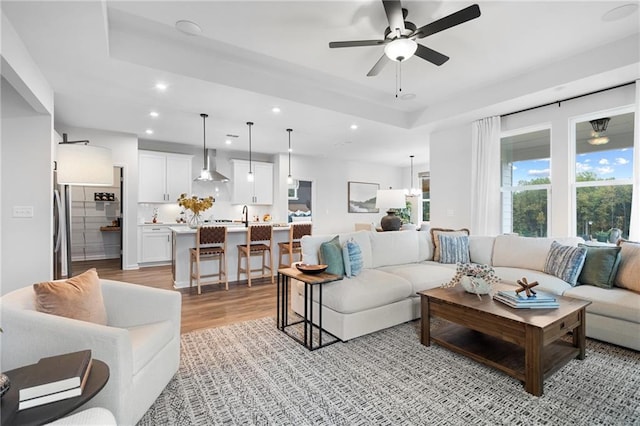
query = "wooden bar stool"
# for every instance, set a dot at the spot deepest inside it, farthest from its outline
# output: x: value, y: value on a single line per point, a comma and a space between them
x: 259, y: 242
x: 211, y: 244
x: 292, y: 247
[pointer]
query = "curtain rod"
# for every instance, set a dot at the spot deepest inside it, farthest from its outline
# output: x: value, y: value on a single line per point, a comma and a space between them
x: 569, y: 99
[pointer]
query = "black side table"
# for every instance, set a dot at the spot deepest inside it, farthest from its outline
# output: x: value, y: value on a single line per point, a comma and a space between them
x: 282, y: 318
x: 98, y: 377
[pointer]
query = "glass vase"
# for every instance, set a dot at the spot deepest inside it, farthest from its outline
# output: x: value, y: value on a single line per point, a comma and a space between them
x: 195, y: 220
x: 475, y: 285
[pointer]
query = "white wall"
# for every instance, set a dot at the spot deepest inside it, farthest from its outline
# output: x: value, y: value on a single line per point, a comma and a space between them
x: 124, y: 149
x: 451, y: 160
x: 330, y: 177
x: 26, y: 167
x: 451, y: 177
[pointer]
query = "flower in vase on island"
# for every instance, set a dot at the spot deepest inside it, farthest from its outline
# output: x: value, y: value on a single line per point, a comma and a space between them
x: 197, y: 206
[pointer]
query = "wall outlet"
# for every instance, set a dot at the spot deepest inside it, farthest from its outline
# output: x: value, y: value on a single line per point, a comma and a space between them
x: 22, y: 211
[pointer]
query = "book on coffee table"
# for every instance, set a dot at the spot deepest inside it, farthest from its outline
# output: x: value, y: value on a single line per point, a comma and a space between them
x: 56, y: 396
x: 521, y: 297
x: 56, y: 374
x: 541, y: 304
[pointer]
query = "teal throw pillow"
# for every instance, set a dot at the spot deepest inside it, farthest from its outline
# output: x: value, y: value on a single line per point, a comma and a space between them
x: 331, y: 255
x: 454, y: 248
x: 565, y: 262
x: 352, y: 255
x: 600, y: 266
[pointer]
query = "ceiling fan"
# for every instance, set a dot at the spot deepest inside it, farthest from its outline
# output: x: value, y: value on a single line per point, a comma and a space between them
x: 400, y: 36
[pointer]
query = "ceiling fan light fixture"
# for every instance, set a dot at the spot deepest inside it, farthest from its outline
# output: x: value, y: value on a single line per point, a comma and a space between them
x: 400, y: 49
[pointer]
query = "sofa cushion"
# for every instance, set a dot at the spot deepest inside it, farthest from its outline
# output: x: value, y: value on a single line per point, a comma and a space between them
x: 331, y: 255
x: 628, y: 275
x: 454, y: 248
x: 565, y: 262
x: 481, y: 249
x: 394, y: 248
x: 371, y: 289
x: 425, y: 246
x: 546, y: 282
x: 147, y: 341
x: 78, y: 297
x: 610, y: 302
x: 436, y: 242
x: 424, y: 275
x: 352, y: 256
x: 521, y: 252
x: 600, y: 266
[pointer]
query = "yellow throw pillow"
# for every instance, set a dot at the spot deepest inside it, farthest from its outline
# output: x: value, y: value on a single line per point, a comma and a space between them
x: 79, y: 297
x: 627, y: 275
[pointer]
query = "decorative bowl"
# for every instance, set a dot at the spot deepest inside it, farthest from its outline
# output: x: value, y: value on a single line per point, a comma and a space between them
x: 311, y: 269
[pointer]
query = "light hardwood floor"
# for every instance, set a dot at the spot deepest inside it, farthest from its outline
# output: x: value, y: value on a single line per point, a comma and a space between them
x: 213, y: 308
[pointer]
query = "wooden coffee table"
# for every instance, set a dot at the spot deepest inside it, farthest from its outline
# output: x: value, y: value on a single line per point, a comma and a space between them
x: 524, y: 343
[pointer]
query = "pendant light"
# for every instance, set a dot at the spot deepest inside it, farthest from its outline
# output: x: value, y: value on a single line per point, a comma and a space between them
x: 289, y: 178
x: 413, y: 191
x: 208, y: 172
x: 250, y: 174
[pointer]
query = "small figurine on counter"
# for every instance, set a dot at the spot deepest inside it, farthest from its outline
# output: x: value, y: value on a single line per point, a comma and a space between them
x: 155, y: 215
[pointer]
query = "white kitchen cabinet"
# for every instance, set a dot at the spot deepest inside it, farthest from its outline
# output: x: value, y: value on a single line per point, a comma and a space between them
x: 155, y: 244
x: 162, y: 177
x: 260, y: 191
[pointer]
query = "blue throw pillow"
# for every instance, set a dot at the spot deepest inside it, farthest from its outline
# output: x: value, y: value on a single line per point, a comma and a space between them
x: 352, y: 255
x: 565, y: 262
x: 454, y: 248
x: 331, y: 255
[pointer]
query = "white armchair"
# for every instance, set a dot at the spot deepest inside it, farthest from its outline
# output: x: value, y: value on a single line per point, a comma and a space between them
x: 140, y: 343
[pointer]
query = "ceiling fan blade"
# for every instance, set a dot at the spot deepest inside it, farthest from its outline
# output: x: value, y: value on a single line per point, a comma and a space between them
x: 393, y: 9
x: 357, y: 43
x: 452, y: 20
x: 431, y: 55
x: 378, y: 66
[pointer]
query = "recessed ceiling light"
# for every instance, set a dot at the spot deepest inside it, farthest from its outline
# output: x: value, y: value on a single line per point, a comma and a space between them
x: 619, y: 12
x: 275, y: 109
x: 408, y: 96
x: 354, y: 126
x: 153, y: 114
x: 161, y: 87
x: 149, y: 131
x: 228, y: 141
x: 188, y: 27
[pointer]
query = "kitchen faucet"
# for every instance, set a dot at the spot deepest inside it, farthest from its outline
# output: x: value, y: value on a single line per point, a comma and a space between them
x: 245, y: 213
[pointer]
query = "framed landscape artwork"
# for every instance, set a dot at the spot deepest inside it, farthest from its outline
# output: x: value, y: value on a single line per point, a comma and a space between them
x: 362, y: 197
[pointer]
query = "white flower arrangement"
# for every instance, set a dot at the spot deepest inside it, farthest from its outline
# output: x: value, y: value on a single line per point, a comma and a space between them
x: 475, y: 278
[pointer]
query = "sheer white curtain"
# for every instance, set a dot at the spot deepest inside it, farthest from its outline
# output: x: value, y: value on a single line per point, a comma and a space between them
x: 485, y: 175
x: 634, y: 226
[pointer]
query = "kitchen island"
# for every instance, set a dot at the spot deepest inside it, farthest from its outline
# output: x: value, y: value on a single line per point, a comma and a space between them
x: 184, y: 238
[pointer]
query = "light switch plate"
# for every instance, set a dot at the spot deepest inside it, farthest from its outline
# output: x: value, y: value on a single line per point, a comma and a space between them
x: 22, y: 211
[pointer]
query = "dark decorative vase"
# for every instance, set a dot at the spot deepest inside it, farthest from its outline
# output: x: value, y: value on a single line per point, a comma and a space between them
x: 390, y: 222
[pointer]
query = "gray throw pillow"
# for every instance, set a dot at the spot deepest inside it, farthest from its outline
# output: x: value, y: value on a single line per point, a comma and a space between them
x: 565, y: 262
x: 454, y: 248
x: 600, y: 266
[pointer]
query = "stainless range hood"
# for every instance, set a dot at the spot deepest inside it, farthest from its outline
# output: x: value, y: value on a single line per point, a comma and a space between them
x: 209, y: 173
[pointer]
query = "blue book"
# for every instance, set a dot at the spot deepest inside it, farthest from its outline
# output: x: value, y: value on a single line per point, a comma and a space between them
x: 521, y: 297
x: 520, y: 305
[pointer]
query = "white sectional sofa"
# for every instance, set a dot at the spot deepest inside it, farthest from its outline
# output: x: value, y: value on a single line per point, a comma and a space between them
x: 397, y: 265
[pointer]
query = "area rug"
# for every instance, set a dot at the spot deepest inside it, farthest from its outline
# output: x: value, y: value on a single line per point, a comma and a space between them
x: 252, y: 374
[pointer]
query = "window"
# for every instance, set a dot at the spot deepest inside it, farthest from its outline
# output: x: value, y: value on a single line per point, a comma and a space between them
x: 526, y: 182
x: 603, y: 175
x: 425, y: 184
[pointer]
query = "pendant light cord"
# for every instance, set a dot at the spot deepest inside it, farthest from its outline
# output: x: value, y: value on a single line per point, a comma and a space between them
x: 249, y: 123
x: 204, y: 139
x: 289, y: 131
